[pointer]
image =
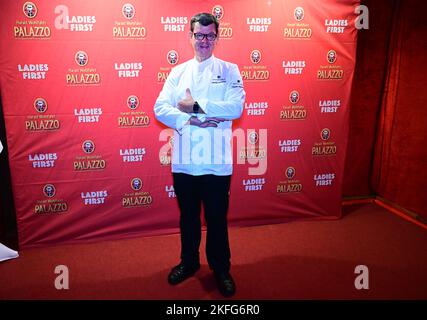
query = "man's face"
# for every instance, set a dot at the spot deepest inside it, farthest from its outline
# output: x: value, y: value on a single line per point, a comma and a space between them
x: 203, y: 49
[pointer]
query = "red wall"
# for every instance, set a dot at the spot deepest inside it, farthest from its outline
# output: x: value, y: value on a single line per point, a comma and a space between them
x: 372, y: 46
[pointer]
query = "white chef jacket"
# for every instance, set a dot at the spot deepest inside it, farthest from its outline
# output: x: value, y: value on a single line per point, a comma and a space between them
x: 218, y: 88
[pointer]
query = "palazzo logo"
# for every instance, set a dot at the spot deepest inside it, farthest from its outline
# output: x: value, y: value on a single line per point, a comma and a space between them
x: 81, y: 58
x: 128, y: 11
x: 294, y: 97
x: 290, y: 172
x: 129, y: 28
x: 256, y: 56
x: 225, y: 29
x: 331, y: 71
x: 40, y: 105
x: 137, y: 198
x: 50, y: 205
x: 298, y: 29
x: 294, y: 111
x: 172, y: 59
x: 29, y: 9
x: 165, y: 152
x: 253, y: 137
x: 254, y: 150
x: 31, y: 28
x: 255, y: 72
x: 218, y: 11
x: 325, y: 147
x: 325, y: 134
x: 133, y: 118
x: 299, y: 13
x: 136, y: 184
x: 41, y: 121
x: 133, y: 102
x: 89, y: 161
x: 82, y: 76
x: 290, y: 184
x: 332, y: 56
x: 88, y: 146
x: 49, y: 190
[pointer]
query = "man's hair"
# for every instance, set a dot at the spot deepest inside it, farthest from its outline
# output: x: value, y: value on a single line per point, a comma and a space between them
x: 204, y: 19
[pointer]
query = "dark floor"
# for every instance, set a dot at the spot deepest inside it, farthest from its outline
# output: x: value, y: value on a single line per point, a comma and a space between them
x: 297, y: 260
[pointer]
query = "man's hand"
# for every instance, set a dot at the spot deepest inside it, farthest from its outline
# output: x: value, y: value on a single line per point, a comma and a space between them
x: 209, y: 122
x: 186, y: 105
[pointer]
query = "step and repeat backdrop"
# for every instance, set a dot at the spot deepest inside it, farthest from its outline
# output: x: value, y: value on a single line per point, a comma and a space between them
x: 88, y: 159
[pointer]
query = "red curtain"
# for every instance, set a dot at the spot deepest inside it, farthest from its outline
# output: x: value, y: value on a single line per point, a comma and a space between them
x: 388, y: 118
x: 372, y: 46
x: 400, y: 174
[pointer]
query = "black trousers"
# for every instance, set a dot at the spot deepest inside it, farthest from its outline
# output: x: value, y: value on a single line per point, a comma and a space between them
x: 213, y: 192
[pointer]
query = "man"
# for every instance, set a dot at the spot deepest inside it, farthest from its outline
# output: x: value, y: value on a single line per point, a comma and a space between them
x: 199, y: 100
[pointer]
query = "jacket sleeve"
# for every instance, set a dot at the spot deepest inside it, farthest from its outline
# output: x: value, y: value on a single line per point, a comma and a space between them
x: 164, y: 108
x: 232, y: 106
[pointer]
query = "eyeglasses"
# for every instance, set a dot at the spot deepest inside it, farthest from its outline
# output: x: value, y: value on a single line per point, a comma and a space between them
x: 200, y: 36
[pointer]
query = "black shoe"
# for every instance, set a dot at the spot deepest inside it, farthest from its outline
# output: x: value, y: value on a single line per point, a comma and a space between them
x: 225, y: 283
x: 181, y: 272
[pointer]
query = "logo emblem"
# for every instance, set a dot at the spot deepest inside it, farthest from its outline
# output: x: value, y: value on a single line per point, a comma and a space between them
x: 30, y: 10
x: 172, y: 57
x: 332, y: 56
x: 299, y: 13
x: 218, y: 12
x: 290, y: 172
x: 171, y: 141
x: 255, y: 56
x: 136, y: 184
x: 325, y: 134
x: 49, y: 190
x: 294, y: 97
x: 81, y: 58
x: 40, y: 105
x: 253, y: 137
x: 133, y: 102
x: 128, y: 11
x: 88, y: 146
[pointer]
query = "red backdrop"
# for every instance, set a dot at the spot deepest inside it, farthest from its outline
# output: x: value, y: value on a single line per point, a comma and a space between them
x: 79, y: 81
